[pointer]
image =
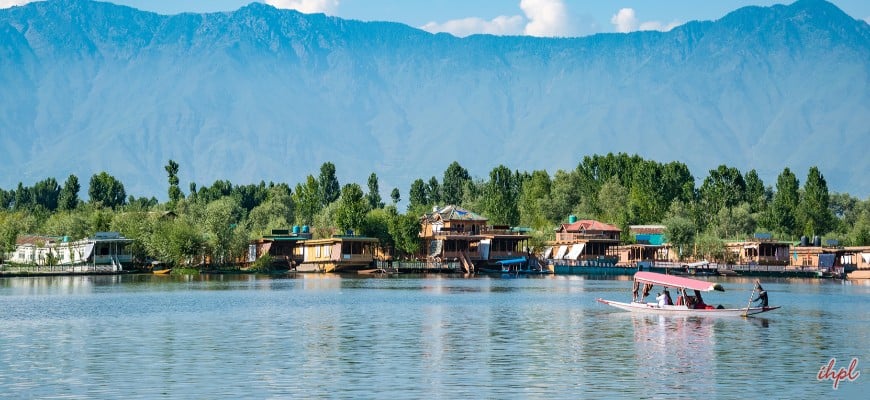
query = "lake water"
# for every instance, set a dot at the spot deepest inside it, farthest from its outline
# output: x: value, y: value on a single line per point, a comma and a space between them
x: 317, y: 336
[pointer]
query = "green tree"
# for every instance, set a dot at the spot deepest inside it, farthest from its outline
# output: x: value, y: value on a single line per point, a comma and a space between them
x: 275, y: 213
x: 376, y: 224
x: 68, y: 199
x: 45, y: 193
x: 532, y: 201
x: 709, y: 247
x: 75, y: 224
x: 13, y: 224
x: 107, y: 191
x: 325, y: 221
x: 680, y: 233
x: 756, y: 195
x: 176, y: 242
x: 137, y: 226
x: 677, y: 183
x: 644, y: 204
x: 222, y: 218
x: 564, y: 196
x: 734, y: 222
x: 613, y: 198
x: 455, y: 178
x: 374, y: 195
x: 814, y: 213
x: 724, y: 188
x: 175, y: 193
x: 24, y: 199
x: 352, y: 207
x: 396, y: 196
x: 405, y: 229
x: 417, y: 197
x: 781, y: 217
x: 433, y: 190
x: 500, y: 200
x: 329, y: 187
x: 308, y: 201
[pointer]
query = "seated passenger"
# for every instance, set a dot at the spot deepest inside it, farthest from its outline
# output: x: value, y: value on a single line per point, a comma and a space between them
x: 699, y: 303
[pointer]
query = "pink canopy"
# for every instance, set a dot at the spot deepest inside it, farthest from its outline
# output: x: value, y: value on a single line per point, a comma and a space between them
x: 676, y: 281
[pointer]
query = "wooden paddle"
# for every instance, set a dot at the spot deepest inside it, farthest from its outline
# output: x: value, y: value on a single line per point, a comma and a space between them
x: 746, y: 313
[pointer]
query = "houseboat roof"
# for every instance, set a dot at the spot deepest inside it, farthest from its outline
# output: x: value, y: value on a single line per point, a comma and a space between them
x: 34, y: 239
x: 651, y: 229
x: 588, y: 225
x: 455, y: 213
x: 341, y: 238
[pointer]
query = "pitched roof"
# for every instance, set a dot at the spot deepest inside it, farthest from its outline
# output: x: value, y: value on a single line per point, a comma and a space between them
x: 455, y: 213
x: 34, y: 239
x: 589, y: 225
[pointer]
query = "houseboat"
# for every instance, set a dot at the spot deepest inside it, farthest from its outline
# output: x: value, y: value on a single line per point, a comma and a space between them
x: 340, y: 253
x: 586, y: 247
x: 103, y: 252
x: 282, y: 245
x: 862, y: 262
x: 452, y: 233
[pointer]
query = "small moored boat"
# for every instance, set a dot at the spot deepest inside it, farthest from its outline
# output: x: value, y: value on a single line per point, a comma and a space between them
x: 686, y: 304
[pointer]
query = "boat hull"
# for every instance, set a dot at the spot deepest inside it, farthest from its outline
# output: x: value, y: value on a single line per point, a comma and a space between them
x: 652, y: 308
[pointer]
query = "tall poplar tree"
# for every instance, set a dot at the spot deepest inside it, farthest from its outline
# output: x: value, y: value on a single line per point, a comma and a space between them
x: 69, y: 195
x: 352, y: 207
x: 814, y: 213
x: 329, y: 187
x: 374, y: 195
x: 453, y: 182
x: 175, y: 193
x: 781, y: 215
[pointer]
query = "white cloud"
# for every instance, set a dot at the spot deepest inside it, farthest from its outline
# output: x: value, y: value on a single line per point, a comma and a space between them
x: 542, y: 18
x: 546, y: 17
x: 501, y: 25
x: 10, y: 3
x: 626, y: 21
x: 306, y: 6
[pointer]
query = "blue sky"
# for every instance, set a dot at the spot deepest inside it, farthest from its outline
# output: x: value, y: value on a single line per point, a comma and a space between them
x: 529, y: 17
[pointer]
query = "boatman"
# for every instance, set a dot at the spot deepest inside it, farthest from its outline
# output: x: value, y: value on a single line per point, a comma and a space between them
x: 762, y: 295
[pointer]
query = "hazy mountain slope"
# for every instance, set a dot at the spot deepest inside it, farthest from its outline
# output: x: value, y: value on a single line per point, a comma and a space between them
x: 266, y: 94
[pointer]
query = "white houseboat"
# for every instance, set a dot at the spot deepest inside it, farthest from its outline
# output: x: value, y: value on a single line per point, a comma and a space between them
x: 103, y: 252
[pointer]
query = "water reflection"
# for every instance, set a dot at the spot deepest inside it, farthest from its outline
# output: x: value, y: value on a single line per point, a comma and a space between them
x: 424, y: 336
x: 674, y: 353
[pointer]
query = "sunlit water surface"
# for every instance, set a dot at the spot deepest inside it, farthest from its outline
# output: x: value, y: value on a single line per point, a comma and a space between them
x: 316, y: 336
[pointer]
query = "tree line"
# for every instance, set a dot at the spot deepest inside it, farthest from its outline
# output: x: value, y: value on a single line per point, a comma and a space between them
x: 218, y: 221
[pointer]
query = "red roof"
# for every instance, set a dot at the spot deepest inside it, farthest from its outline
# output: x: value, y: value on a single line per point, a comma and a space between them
x: 676, y: 281
x: 589, y: 225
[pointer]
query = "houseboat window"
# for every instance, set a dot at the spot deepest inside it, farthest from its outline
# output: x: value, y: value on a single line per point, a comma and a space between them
x: 317, y: 252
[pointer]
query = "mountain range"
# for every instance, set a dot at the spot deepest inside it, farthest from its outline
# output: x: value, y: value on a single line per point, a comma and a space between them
x: 262, y: 94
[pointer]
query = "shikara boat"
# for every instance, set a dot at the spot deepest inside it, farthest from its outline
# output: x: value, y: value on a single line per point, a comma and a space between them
x: 686, y: 304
